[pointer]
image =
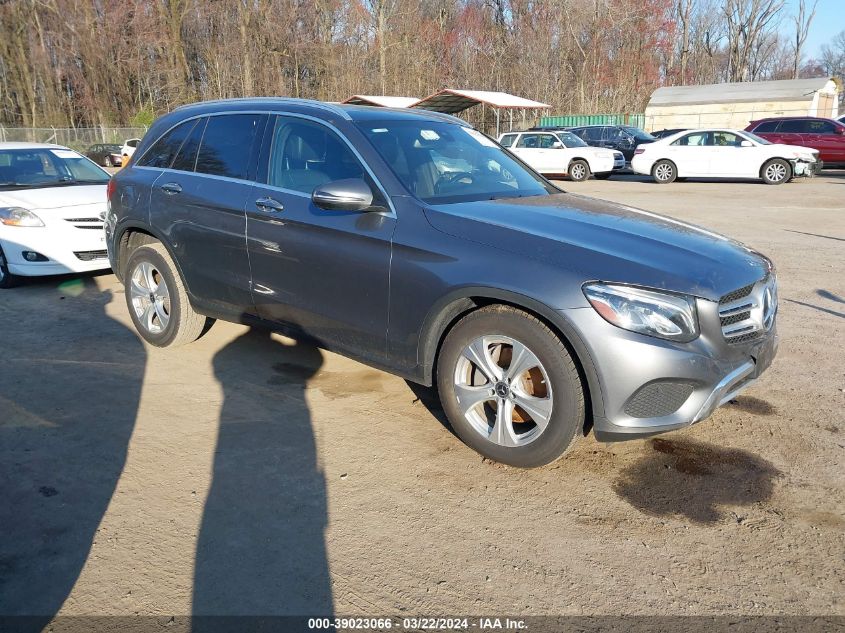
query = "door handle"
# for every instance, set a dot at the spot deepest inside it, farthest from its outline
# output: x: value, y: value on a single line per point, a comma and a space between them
x: 269, y: 205
x: 171, y: 187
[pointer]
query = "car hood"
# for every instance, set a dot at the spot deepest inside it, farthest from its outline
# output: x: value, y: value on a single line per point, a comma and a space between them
x: 54, y: 197
x: 789, y: 150
x: 605, y: 241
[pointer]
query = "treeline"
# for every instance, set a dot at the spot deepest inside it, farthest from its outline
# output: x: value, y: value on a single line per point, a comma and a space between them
x: 100, y: 62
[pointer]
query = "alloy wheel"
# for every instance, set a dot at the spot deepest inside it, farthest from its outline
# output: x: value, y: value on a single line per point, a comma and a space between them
x: 776, y: 172
x: 503, y: 390
x: 150, y: 297
x: 2, y: 267
x: 663, y: 171
x: 577, y: 172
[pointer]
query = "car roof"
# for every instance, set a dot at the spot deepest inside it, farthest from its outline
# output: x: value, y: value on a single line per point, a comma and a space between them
x: 320, y: 109
x: 21, y: 145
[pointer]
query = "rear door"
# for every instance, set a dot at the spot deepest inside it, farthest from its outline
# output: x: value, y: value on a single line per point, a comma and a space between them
x: 325, y: 272
x: 692, y: 154
x: 529, y: 148
x: 199, y: 201
x: 790, y: 132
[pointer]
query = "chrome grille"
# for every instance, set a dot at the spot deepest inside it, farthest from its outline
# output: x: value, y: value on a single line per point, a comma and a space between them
x: 748, y: 312
x: 86, y: 223
x: 90, y: 256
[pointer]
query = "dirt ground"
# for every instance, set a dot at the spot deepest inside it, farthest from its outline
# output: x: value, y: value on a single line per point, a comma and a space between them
x: 248, y: 474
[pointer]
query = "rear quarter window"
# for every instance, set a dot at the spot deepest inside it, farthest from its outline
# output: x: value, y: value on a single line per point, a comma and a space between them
x: 164, y: 150
x: 766, y: 126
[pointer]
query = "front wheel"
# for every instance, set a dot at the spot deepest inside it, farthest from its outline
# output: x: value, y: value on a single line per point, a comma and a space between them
x: 157, y: 300
x: 7, y: 279
x: 664, y: 172
x: 509, y: 387
x: 579, y: 170
x: 776, y: 172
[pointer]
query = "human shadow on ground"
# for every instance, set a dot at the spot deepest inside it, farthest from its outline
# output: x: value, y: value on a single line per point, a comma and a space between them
x: 62, y: 446
x: 261, y: 548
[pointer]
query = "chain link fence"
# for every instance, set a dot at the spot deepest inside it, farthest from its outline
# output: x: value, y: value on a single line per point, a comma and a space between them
x: 78, y: 138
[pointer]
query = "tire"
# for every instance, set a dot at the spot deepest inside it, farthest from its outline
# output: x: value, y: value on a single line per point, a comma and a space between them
x: 7, y: 279
x: 776, y: 171
x: 664, y: 172
x: 603, y: 175
x: 578, y: 170
x: 170, y: 320
x: 108, y: 162
x: 548, y: 372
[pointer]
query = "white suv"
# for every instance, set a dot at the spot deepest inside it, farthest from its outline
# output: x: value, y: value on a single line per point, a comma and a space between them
x: 561, y: 153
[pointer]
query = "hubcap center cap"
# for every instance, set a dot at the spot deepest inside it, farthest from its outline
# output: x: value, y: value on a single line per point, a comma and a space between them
x: 152, y: 298
x: 502, y: 389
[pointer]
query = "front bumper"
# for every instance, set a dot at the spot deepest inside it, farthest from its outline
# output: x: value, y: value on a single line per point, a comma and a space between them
x: 648, y: 385
x: 67, y: 249
x: 806, y: 168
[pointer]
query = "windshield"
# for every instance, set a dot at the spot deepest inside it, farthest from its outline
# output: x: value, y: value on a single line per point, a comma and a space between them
x: 757, y: 139
x: 639, y: 134
x: 570, y: 140
x: 47, y: 167
x: 443, y: 162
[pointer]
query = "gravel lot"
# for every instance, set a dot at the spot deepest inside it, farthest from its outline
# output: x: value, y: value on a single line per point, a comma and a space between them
x: 248, y: 474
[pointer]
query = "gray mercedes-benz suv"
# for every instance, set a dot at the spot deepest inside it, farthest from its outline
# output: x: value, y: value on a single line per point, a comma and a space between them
x: 414, y: 243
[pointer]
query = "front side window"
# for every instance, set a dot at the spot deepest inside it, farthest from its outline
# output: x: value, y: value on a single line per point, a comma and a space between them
x: 47, y: 167
x: 570, y: 140
x: 442, y: 163
x: 727, y: 139
x: 305, y: 155
x: 226, y: 145
x: 547, y: 141
x: 164, y: 150
x: 820, y: 127
x: 637, y: 133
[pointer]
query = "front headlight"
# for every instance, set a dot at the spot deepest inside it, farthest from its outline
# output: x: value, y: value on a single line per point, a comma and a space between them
x: 16, y: 216
x: 649, y: 312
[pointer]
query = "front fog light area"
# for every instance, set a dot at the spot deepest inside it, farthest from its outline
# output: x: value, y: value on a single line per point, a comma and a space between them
x: 32, y: 256
x: 649, y: 312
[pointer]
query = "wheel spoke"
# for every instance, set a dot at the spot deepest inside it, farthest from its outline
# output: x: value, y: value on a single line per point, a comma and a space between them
x: 502, y: 433
x: 148, y: 271
x: 163, y: 317
x: 479, y: 355
x: 522, y: 359
x: 540, y: 409
x: 137, y: 289
x: 147, y: 317
x: 470, y: 397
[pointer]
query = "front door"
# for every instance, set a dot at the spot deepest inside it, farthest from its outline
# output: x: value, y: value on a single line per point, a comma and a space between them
x: 325, y: 272
x: 693, y: 154
x: 533, y: 149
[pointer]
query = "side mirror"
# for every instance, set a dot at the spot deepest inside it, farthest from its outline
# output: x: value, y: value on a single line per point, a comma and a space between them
x: 557, y: 145
x: 351, y: 194
x: 746, y: 144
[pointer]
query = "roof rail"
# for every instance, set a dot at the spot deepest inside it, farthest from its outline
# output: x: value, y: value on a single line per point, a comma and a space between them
x: 329, y: 107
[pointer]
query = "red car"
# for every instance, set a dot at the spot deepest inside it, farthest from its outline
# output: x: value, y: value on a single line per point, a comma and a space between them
x: 825, y: 135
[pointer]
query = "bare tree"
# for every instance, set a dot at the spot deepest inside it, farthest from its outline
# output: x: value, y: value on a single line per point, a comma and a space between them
x: 802, y: 20
x: 748, y: 23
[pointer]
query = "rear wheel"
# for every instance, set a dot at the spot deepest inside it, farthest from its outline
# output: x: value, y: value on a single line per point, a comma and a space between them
x: 7, y: 279
x: 510, y: 387
x: 579, y: 170
x: 157, y: 300
x: 776, y: 172
x: 664, y: 172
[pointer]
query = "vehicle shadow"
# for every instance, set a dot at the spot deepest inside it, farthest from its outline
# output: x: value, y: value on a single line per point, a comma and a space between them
x: 689, y: 479
x: 62, y: 446
x: 261, y: 548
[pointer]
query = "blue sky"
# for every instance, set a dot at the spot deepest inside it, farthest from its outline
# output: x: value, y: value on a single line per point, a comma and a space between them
x: 829, y: 20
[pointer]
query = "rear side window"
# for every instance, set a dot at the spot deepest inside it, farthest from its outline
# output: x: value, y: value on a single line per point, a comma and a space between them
x: 592, y: 133
x: 187, y: 156
x: 226, y: 146
x: 164, y: 150
x: 794, y: 127
x: 507, y: 140
x: 529, y: 141
x: 766, y: 126
x: 695, y: 139
x: 305, y: 155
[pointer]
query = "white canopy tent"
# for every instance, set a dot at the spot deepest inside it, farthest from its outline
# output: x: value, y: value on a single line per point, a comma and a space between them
x: 382, y: 101
x: 452, y: 101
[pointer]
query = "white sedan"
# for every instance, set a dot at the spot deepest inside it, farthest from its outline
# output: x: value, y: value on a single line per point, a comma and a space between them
x: 52, y: 205
x: 718, y: 153
x: 561, y: 153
